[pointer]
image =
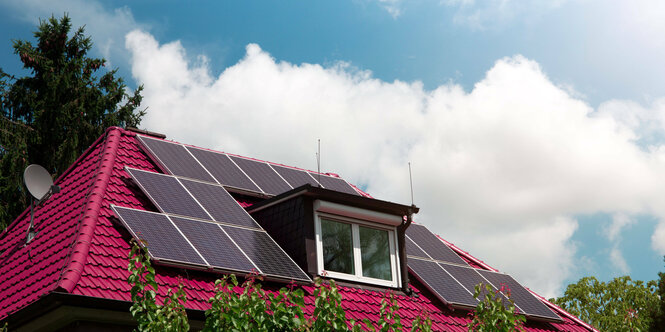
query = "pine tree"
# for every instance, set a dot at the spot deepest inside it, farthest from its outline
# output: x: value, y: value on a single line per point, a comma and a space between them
x: 51, y: 116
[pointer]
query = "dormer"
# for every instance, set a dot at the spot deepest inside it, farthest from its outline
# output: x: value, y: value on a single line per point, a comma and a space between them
x: 337, y: 235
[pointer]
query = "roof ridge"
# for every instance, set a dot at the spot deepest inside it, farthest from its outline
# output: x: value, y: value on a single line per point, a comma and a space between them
x: 271, y: 163
x: 80, y: 247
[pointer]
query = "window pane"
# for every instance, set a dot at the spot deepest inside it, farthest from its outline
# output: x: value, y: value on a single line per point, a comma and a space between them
x: 375, y: 250
x: 337, y: 246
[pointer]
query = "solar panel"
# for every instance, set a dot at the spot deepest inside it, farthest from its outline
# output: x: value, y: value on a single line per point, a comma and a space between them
x: 223, y: 169
x: 469, y: 278
x: 436, y: 278
x: 219, y: 203
x: 263, y: 175
x: 265, y: 253
x: 168, y: 194
x: 334, y: 183
x: 413, y: 250
x: 175, y: 158
x: 164, y: 242
x: 295, y: 177
x: 526, y: 301
x: 433, y: 245
x: 214, y: 245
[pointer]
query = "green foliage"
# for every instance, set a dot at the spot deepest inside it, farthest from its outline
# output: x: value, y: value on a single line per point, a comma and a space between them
x: 253, y: 309
x: 422, y: 323
x: 247, y: 307
x: 658, y: 319
x: 492, y: 314
x: 53, y: 115
x: 622, y: 304
x: 328, y: 312
x: 150, y: 316
x: 389, y: 319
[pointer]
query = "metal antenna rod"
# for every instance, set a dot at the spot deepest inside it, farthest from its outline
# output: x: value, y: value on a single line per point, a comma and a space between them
x: 411, y: 182
x: 318, y: 161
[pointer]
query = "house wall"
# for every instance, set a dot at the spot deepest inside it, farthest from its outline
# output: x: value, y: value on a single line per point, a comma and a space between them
x: 291, y: 224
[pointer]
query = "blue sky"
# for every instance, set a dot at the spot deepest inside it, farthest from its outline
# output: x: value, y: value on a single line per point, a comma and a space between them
x: 535, y: 130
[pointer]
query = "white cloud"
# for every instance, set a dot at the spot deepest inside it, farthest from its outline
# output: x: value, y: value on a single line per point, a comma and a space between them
x: 392, y: 6
x: 616, y: 257
x: 613, y: 233
x: 481, y: 15
x: 499, y: 170
x: 107, y: 27
x: 658, y: 238
x: 647, y: 122
x: 541, y: 255
x: 619, y: 222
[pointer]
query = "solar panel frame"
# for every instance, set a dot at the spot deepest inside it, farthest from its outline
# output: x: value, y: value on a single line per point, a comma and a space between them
x: 175, y: 159
x: 432, y: 245
x: 219, y: 204
x: 168, y: 194
x: 528, y: 303
x: 214, y: 245
x: 157, y: 229
x: 263, y: 175
x: 441, y: 283
x: 469, y: 278
x: 256, y: 244
x: 334, y: 183
x: 224, y: 170
x: 412, y: 249
x: 295, y: 177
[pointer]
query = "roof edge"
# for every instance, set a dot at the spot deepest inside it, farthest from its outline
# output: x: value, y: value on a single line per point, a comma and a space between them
x: 81, y: 246
x: 470, y: 257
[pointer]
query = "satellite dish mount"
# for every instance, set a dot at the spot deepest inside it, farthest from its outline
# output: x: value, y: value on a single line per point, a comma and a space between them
x: 40, y: 185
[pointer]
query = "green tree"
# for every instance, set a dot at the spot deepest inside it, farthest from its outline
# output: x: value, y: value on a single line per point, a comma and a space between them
x: 658, y: 319
x: 621, y: 304
x: 493, y: 314
x: 51, y: 116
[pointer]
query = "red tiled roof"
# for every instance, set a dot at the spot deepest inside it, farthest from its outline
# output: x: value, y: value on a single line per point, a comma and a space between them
x: 79, y: 250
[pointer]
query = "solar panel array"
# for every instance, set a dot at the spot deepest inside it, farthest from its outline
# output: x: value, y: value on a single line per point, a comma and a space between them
x: 202, y: 225
x: 430, y: 245
x: 444, y: 272
x: 234, y: 172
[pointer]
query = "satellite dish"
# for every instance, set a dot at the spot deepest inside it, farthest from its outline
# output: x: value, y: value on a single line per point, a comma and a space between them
x: 38, y: 180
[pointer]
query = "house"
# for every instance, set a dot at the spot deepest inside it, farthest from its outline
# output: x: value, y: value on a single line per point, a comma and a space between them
x: 270, y: 218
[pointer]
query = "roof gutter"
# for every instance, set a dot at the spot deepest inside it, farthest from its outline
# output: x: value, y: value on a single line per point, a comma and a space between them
x: 80, y: 248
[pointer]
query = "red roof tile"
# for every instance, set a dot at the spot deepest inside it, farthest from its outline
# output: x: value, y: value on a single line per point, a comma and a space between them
x: 79, y: 250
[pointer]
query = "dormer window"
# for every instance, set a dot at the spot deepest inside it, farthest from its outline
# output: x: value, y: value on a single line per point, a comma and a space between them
x: 356, y: 244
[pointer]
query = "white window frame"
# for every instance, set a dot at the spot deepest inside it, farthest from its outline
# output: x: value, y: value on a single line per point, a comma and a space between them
x: 339, y: 215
